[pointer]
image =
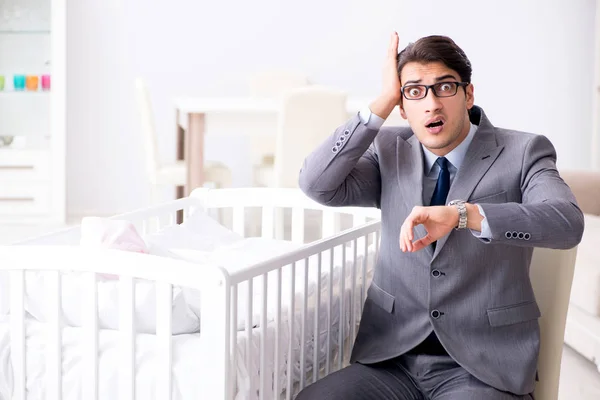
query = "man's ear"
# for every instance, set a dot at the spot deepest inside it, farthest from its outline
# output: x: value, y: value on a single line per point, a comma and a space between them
x: 470, y: 96
x: 402, y: 112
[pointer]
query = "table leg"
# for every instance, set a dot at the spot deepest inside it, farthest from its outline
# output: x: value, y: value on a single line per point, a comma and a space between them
x: 194, y: 144
x: 180, y: 138
x: 180, y: 144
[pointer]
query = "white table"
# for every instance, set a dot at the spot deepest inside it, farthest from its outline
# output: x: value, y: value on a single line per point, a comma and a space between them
x: 190, y: 142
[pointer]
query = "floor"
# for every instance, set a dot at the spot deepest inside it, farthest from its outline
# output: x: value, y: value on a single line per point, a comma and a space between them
x: 580, y: 379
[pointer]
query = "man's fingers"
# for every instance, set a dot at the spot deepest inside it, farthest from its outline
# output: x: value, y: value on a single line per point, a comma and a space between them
x: 403, y: 239
x: 393, y: 47
x: 422, y: 243
x: 416, y: 217
x: 406, y: 235
x: 408, y: 228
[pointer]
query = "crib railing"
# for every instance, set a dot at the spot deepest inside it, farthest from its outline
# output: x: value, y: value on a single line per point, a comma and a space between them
x: 365, y: 237
x: 220, y: 315
x: 51, y: 261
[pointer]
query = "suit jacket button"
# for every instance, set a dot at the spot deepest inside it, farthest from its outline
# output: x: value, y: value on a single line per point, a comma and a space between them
x: 435, y: 314
x: 334, y: 149
x: 508, y: 235
x: 346, y: 132
x: 435, y: 273
x: 527, y: 236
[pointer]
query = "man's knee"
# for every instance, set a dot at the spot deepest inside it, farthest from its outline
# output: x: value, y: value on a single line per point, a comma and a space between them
x: 340, y: 385
x: 323, y: 391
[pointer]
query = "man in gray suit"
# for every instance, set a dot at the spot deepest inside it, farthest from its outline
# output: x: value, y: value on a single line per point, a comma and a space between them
x: 451, y: 312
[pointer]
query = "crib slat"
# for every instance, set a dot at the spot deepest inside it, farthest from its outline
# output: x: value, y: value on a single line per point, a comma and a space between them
x: 238, y: 220
x: 329, y: 312
x: 90, y: 344
x: 249, y: 331
x: 291, y: 316
x: 233, y: 337
x: 164, y: 333
x: 298, y: 225
x: 353, y: 291
x: 127, y: 336
x: 363, y: 297
x: 268, y: 222
x: 303, y: 328
x: 17, y: 332
x: 277, y: 355
x: 317, y: 335
x: 54, y: 345
x: 263, y: 340
x: 342, y: 298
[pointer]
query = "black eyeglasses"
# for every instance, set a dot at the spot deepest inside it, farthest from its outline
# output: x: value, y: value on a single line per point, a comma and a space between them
x: 440, y: 89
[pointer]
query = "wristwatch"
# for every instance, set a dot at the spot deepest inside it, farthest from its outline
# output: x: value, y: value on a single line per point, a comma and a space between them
x: 462, y: 213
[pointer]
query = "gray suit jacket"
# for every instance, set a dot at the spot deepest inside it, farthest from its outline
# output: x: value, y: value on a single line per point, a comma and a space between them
x: 487, y: 312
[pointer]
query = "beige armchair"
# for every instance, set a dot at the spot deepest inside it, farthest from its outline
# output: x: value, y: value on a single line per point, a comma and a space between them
x: 582, y: 331
x: 551, y: 274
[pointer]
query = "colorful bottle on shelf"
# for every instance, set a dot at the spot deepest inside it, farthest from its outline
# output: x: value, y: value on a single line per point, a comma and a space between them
x: 45, y: 82
x: 32, y: 82
x: 19, y: 82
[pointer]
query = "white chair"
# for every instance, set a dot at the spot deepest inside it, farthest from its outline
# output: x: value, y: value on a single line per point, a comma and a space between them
x: 551, y: 274
x: 274, y: 84
x: 175, y: 174
x: 307, y: 117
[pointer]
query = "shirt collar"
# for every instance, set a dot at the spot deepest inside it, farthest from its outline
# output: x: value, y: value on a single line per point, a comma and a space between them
x: 455, y: 157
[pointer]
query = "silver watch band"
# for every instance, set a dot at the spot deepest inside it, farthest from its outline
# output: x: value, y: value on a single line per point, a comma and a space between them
x: 462, y: 213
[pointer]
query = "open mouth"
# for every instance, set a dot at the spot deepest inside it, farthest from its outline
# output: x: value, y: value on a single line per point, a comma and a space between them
x: 436, y: 123
x: 435, y: 126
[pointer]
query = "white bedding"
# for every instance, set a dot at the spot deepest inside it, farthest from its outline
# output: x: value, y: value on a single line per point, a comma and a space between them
x: 189, y: 363
x: 186, y: 302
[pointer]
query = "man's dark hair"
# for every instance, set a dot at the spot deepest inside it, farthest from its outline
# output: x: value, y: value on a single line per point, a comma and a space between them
x: 437, y: 49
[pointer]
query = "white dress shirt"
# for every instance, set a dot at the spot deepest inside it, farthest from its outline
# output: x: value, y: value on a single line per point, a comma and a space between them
x: 431, y: 169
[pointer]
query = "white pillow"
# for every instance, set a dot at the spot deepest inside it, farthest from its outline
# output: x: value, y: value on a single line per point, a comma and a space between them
x: 198, y: 232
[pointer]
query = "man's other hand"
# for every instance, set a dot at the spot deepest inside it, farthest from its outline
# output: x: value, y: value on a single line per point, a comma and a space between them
x: 437, y: 220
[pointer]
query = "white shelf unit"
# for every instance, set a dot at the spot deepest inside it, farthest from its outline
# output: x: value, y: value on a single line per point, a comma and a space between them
x: 595, y: 144
x: 32, y: 168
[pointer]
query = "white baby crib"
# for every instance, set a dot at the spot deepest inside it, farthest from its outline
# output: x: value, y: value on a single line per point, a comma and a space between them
x: 265, y: 330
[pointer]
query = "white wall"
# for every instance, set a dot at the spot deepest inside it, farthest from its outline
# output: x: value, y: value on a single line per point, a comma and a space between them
x: 533, y: 64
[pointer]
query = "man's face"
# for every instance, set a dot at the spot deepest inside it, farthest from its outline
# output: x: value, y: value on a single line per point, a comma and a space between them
x: 452, y: 111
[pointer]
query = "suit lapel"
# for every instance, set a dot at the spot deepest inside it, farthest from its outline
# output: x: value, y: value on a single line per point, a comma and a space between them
x: 409, y: 164
x: 480, y: 156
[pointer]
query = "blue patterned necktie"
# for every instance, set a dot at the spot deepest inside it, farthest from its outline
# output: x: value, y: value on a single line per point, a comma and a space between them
x: 442, y: 186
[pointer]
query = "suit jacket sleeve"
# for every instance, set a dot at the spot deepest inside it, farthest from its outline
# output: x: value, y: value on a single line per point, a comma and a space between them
x: 344, y: 169
x: 548, y: 215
